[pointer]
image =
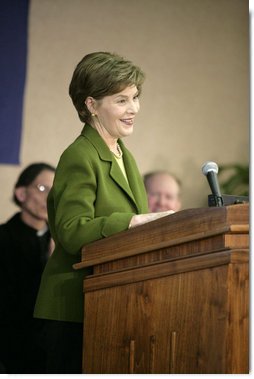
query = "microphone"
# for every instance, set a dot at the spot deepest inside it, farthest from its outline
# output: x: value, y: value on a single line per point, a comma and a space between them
x: 210, y: 170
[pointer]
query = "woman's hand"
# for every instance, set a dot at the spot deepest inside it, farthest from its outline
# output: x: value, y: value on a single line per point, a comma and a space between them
x: 144, y: 218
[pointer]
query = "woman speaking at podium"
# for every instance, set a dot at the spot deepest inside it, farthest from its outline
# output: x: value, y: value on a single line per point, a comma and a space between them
x: 97, y: 191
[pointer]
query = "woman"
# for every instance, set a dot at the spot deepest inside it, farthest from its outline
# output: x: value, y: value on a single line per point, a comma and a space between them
x: 97, y: 191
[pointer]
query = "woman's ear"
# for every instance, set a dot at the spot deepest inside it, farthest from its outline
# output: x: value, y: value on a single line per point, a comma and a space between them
x: 20, y: 194
x: 90, y: 104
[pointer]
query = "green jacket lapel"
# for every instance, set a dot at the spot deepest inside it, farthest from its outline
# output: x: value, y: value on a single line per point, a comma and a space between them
x: 135, y: 180
x: 106, y: 155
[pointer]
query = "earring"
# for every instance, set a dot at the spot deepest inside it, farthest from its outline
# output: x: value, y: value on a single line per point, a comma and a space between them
x: 93, y: 115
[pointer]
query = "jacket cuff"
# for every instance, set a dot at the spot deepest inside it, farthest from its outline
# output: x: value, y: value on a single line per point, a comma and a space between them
x: 117, y: 222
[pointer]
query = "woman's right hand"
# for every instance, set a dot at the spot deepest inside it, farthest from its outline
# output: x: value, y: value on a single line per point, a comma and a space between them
x: 144, y: 218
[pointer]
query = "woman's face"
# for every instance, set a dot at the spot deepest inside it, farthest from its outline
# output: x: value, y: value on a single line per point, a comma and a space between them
x: 115, y: 114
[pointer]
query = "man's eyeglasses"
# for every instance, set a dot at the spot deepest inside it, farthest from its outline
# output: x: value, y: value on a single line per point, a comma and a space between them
x: 42, y: 188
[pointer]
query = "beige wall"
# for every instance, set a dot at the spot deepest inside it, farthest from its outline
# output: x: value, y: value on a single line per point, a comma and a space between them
x: 194, y: 105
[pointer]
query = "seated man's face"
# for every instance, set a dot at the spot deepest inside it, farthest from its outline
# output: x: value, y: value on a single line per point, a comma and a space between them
x: 163, y: 193
x: 33, y: 198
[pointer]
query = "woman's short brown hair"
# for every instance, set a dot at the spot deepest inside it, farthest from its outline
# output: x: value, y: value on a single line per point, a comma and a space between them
x: 101, y: 74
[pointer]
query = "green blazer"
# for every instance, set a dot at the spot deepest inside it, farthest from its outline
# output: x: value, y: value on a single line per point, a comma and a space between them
x: 90, y: 199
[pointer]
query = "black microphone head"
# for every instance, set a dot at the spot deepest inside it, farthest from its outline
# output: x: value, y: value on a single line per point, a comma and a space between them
x: 210, y: 166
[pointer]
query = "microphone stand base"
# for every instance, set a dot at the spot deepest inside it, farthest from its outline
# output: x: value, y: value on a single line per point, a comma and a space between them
x: 224, y: 200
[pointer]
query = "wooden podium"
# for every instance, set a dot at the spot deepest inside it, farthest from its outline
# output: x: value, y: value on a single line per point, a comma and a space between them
x: 170, y: 296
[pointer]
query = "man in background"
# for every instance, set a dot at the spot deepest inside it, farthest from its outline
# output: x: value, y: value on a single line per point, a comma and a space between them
x: 163, y: 191
x: 25, y: 246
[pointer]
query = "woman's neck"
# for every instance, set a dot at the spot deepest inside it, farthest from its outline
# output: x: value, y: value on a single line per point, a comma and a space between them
x: 110, y: 141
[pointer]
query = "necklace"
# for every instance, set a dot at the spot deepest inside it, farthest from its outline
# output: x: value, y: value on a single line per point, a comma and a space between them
x: 119, y: 152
